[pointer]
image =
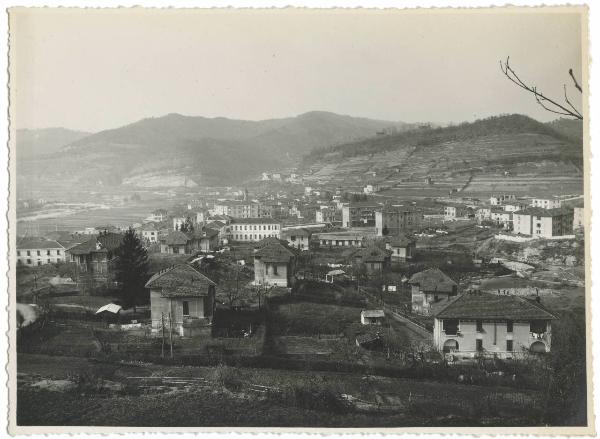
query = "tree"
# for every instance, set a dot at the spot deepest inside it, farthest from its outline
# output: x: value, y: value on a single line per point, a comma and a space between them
x: 548, y: 104
x: 132, y: 270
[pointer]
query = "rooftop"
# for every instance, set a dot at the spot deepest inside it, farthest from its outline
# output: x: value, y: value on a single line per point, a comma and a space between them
x: 540, y: 211
x: 37, y: 243
x: 274, y: 252
x: 180, y: 281
x: 372, y: 254
x: 373, y: 313
x: 254, y: 221
x: 433, y: 279
x: 491, y: 306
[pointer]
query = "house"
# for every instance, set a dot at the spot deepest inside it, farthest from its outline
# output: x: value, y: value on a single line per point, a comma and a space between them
x: 149, y: 232
x: 371, y: 188
x: 497, y: 200
x: 348, y: 238
x: 546, y: 203
x: 178, y: 242
x: 452, y: 212
x: 158, y: 216
x: 359, y: 214
x: 298, y: 238
x: 429, y: 287
x: 94, y: 260
x: 181, y: 299
x: 370, y: 340
x: 375, y: 259
x: 174, y: 243
x: 499, y: 325
x: 394, y: 220
x: 543, y: 223
x: 237, y: 209
x: 372, y: 317
x: 39, y: 251
x: 401, y: 246
x: 274, y: 264
x: 514, y: 206
x: 254, y: 229
x: 501, y: 217
x: 328, y: 215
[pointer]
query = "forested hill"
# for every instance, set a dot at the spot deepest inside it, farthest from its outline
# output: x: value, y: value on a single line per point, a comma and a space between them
x: 425, y: 136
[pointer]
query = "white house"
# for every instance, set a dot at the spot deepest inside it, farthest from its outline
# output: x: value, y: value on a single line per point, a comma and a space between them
x: 501, y: 325
x: 39, y: 251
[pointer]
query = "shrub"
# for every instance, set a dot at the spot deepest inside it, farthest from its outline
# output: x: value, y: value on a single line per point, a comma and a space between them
x: 227, y: 377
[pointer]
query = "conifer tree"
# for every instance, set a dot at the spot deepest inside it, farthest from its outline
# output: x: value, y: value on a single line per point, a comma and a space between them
x: 132, y: 270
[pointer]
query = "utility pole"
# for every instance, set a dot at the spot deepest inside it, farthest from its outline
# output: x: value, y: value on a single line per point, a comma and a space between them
x: 162, y: 324
x: 171, y: 331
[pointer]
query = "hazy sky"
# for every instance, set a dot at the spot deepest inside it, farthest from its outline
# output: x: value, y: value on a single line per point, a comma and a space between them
x: 98, y: 69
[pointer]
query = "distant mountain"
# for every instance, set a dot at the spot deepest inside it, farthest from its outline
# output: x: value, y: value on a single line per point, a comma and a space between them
x: 176, y: 150
x: 35, y: 142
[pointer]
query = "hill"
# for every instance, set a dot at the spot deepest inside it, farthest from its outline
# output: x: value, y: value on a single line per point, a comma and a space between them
x: 31, y: 143
x: 511, y: 153
x: 176, y: 150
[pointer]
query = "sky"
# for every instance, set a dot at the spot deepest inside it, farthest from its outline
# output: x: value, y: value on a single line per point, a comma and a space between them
x: 98, y: 69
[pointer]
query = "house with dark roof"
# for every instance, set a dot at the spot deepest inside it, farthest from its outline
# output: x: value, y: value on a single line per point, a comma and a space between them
x: 543, y: 223
x: 401, y: 246
x: 297, y: 238
x: 501, y: 325
x: 183, y: 243
x: 182, y: 300
x: 39, y: 251
x: 274, y: 263
x: 149, y: 232
x: 374, y: 259
x: 429, y: 287
x: 94, y: 260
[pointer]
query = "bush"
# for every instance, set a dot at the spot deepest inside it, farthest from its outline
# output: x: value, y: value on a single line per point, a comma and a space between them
x: 227, y: 377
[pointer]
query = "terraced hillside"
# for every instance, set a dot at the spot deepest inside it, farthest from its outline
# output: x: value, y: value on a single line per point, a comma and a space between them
x: 504, y: 154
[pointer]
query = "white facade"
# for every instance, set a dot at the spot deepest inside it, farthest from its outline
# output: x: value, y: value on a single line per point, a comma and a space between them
x: 40, y: 256
x: 546, y: 203
x: 253, y: 231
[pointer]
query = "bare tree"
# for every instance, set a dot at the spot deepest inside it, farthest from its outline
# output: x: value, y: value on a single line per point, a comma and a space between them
x: 548, y: 104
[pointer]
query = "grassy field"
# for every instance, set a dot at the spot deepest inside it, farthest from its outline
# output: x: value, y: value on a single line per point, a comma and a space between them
x: 234, y: 397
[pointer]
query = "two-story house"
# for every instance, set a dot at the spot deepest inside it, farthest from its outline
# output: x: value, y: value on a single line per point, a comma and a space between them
x: 401, y: 246
x: 374, y: 259
x: 430, y: 287
x: 297, y: 238
x: 500, y: 325
x: 182, y: 300
x: 38, y: 251
x: 274, y: 263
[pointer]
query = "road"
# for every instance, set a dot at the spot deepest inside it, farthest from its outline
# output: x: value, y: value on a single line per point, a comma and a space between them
x: 407, y: 329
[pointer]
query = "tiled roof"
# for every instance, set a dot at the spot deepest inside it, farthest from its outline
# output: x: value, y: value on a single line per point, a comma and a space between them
x: 434, y: 280
x: 540, y: 211
x: 492, y: 306
x: 37, y: 243
x: 180, y: 281
x: 373, y: 313
x: 206, y: 232
x: 399, y: 240
x: 254, y: 221
x: 274, y: 252
x: 176, y: 237
x: 107, y: 242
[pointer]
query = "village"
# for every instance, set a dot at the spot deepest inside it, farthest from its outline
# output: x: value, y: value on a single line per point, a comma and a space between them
x: 441, y: 295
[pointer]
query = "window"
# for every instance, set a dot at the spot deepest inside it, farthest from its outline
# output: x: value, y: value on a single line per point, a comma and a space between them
x: 39, y: 262
x: 28, y: 253
x: 509, y: 326
x: 38, y: 253
x: 28, y: 261
x: 18, y: 253
x: 186, y: 308
x: 292, y: 238
x: 509, y: 345
x: 450, y: 326
x: 58, y: 252
x: 479, y: 325
x: 479, y: 345
x: 275, y: 270
x: 537, y: 326
x: 47, y: 252
x: 48, y: 260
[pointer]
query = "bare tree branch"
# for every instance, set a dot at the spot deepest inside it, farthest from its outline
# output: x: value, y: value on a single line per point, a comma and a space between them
x: 569, y: 102
x: 577, y: 86
x: 545, y: 102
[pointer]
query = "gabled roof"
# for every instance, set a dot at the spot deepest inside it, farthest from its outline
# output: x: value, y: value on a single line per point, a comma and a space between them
x: 180, y: 281
x: 540, y: 211
x: 176, y: 237
x: 255, y: 221
x: 37, y: 243
x: 434, y: 280
x: 274, y: 252
x: 204, y: 233
x: 101, y: 243
x: 400, y: 240
x: 372, y: 254
x: 492, y: 306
